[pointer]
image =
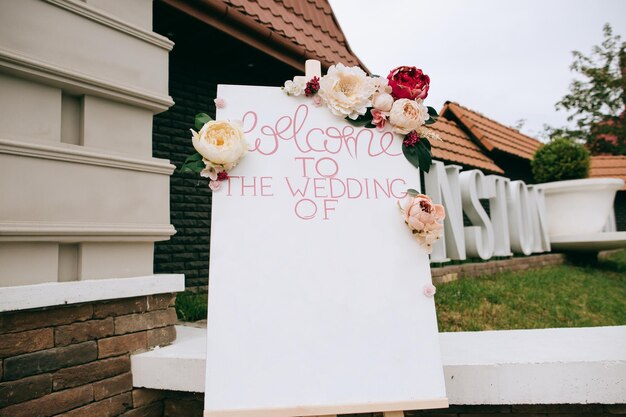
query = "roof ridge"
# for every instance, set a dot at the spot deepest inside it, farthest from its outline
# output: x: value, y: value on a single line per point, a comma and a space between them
x: 492, y: 120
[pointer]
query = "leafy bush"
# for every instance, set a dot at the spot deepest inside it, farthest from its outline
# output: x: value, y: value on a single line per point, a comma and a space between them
x: 191, y: 306
x: 561, y: 159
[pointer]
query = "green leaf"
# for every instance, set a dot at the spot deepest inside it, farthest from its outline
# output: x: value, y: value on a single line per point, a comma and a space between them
x: 370, y: 125
x: 423, y: 155
x: 362, y: 120
x: 426, y: 143
x: 410, y: 153
x: 192, y: 158
x: 412, y: 192
x: 433, y: 116
x: 201, y: 120
x: 193, y: 166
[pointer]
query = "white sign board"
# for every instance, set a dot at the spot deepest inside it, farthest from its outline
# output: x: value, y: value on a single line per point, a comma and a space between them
x: 316, y: 301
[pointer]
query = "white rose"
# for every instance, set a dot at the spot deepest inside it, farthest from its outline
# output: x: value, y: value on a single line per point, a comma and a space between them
x: 220, y: 143
x: 407, y: 115
x: 347, y: 91
x: 295, y: 87
x: 382, y: 101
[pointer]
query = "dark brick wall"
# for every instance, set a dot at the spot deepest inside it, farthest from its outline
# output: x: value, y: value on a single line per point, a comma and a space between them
x: 202, y: 58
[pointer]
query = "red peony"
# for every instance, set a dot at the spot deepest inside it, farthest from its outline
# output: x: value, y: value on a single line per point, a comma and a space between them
x: 408, y: 82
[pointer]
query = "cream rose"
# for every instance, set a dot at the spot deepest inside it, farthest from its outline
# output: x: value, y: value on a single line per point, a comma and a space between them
x: 221, y: 143
x: 407, y: 115
x: 347, y: 91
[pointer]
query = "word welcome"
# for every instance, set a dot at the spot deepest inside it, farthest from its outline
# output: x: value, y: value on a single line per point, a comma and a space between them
x: 332, y: 140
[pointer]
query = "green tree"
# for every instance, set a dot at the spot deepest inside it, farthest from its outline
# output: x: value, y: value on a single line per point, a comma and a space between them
x: 597, y: 100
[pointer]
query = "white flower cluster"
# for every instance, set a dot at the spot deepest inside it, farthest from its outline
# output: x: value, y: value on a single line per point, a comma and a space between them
x: 350, y: 92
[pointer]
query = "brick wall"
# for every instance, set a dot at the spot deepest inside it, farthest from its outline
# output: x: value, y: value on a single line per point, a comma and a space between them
x: 179, y: 404
x: 449, y: 273
x: 74, y: 360
x: 202, y: 58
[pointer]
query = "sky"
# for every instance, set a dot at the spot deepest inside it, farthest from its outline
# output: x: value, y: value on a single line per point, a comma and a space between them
x: 507, y: 59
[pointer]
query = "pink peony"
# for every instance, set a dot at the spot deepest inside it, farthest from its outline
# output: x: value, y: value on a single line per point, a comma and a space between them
x: 429, y: 290
x: 408, y: 82
x: 422, y: 215
x: 379, y: 119
x: 423, y: 218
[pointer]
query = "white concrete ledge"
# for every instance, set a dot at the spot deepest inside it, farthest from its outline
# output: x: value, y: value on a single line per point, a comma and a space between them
x: 86, y: 156
x: 72, y: 80
x: 548, y: 366
x: 83, y: 232
x: 60, y: 293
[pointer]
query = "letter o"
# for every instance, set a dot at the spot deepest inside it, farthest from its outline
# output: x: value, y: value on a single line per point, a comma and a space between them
x: 317, y: 167
x: 309, y: 216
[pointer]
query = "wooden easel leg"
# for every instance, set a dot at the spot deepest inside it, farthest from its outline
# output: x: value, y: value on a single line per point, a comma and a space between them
x: 393, y: 414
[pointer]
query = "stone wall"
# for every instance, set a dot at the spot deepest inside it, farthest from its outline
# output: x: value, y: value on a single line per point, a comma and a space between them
x: 74, y: 360
x: 449, y: 273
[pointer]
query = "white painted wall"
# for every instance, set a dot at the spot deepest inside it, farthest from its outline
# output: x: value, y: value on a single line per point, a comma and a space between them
x: 80, y: 83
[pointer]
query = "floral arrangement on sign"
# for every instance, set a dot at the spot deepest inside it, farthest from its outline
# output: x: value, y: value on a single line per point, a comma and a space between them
x: 220, y: 145
x: 375, y: 102
x: 395, y: 102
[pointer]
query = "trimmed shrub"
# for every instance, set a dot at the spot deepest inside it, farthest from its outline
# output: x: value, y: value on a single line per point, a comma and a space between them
x: 561, y: 159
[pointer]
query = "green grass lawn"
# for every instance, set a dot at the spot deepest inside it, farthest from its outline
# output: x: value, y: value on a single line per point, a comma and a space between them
x: 561, y: 296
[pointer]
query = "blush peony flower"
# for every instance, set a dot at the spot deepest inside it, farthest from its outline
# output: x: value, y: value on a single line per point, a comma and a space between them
x: 295, y: 87
x: 429, y: 290
x: 379, y: 119
x: 408, y: 82
x: 407, y: 115
x: 221, y: 143
x: 423, y: 218
x: 347, y: 91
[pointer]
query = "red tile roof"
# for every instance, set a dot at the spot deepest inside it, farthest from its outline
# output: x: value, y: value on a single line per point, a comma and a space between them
x: 290, y: 30
x: 457, y: 147
x: 491, y: 134
x: 608, y: 167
